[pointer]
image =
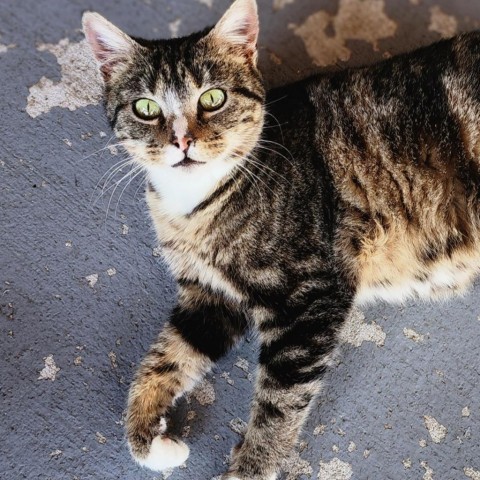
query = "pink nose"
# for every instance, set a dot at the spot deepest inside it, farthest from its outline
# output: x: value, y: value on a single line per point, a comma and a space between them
x: 182, y: 143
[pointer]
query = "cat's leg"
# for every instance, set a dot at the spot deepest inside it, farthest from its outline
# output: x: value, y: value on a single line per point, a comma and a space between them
x: 199, y: 331
x: 294, y: 355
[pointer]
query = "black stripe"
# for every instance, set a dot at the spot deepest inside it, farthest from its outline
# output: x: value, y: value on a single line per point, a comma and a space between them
x: 215, y: 195
x: 245, y: 92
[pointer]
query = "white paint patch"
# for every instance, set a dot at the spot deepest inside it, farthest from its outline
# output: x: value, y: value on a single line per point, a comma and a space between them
x: 204, y: 393
x: 437, y: 431
x: 356, y: 331
x: 335, y: 470
x: 208, y: 3
x: 242, y: 364
x: 413, y: 335
x: 81, y: 83
x: 111, y: 272
x: 465, y: 412
x: 351, y: 447
x: 471, y: 473
x: 101, y: 439
x: 319, y: 430
x: 49, y: 372
x: 428, y: 475
x: 440, y: 22
x: 295, y: 466
x: 279, y: 4
x: 92, y: 279
x: 355, y: 20
x: 56, y: 453
x: 6, y: 48
x: 238, y: 426
x: 174, y: 27
x: 407, y: 463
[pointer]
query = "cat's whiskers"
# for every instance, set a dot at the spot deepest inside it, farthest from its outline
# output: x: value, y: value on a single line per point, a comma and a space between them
x: 263, y: 147
x: 254, y: 175
x: 110, y: 173
x: 134, y: 170
x: 129, y: 181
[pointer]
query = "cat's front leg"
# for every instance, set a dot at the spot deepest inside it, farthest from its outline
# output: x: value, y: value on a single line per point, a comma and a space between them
x: 200, y: 330
x: 297, y: 344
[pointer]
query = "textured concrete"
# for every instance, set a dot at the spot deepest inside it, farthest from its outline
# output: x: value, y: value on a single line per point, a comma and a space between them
x: 83, y: 294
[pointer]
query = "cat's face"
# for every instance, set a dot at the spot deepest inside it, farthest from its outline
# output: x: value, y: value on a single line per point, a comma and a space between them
x: 193, y: 104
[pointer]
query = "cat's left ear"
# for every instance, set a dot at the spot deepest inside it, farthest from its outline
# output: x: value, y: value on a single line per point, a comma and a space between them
x: 110, y: 46
x: 239, y: 28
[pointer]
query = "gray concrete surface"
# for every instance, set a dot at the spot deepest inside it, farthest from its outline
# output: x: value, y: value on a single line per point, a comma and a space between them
x: 403, y: 400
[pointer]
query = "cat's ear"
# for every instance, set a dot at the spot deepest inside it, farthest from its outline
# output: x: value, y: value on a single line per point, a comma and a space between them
x: 239, y: 27
x: 110, y: 46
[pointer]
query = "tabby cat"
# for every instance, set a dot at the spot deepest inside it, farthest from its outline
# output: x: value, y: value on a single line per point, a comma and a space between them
x: 280, y: 210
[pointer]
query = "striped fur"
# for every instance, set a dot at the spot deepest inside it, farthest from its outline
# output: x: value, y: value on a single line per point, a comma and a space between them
x: 357, y: 185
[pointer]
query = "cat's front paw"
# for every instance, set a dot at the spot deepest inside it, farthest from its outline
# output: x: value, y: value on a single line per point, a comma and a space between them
x: 164, y: 453
x: 161, y: 453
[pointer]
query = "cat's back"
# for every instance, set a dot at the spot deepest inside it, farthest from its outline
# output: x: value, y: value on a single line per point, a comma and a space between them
x: 401, y: 142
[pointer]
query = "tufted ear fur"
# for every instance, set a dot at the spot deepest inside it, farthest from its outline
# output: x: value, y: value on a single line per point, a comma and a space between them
x: 239, y: 27
x: 110, y: 46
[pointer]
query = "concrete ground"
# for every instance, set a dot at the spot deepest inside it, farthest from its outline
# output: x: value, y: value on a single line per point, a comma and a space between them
x: 83, y: 291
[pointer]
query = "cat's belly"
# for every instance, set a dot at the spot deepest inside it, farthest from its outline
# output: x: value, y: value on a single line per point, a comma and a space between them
x: 442, y: 280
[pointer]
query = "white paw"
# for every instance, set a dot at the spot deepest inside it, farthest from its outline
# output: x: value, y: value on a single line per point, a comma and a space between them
x: 164, y: 453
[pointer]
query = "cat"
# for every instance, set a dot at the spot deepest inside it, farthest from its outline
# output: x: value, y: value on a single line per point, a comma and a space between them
x: 280, y: 210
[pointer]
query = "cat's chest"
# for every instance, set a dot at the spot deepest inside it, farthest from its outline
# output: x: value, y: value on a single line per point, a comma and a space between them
x: 194, y: 251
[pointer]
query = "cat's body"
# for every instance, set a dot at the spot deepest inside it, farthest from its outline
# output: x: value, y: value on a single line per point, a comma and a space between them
x: 363, y: 185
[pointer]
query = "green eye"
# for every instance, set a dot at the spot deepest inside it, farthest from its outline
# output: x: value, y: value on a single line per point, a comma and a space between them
x: 146, y: 109
x: 212, y: 99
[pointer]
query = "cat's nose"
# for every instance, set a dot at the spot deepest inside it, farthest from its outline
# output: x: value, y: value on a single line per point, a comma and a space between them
x: 183, y: 143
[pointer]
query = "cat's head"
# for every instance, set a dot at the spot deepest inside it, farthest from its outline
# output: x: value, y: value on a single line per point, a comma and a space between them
x: 191, y: 104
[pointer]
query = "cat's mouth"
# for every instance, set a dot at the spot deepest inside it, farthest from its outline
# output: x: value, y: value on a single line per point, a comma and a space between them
x: 187, y: 162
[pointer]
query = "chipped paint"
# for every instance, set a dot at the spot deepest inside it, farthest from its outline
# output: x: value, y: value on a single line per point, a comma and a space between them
x: 238, y: 426
x: 113, y: 359
x: 319, y: 430
x: 356, y: 331
x: 351, y: 447
x: 78, y: 361
x: 407, y: 463
x: 413, y: 335
x: 335, y: 470
x: 242, y: 364
x: 208, y: 3
x: 294, y: 466
x: 465, y: 412
x: 428, y: 475
x: 100, y: 438
x: 436, y: 430
x: 92, y: 279
x: 471, y: 473
x: 111, y: 272
x: 226, y: 377
x: 79, y: 86
x: 125, y: 229
x: 440, y: 22
x: 56, y: 453
x: 6, y: 48
x: 204, y: 393
x: 355, y: 20
x: 279, y: 4
x: 50, y: 370
x: 174, y: 27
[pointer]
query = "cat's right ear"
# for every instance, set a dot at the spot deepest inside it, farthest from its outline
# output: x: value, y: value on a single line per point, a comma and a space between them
x: 110, y: 46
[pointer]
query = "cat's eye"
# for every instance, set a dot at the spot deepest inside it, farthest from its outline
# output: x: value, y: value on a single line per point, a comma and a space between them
x: 212, y: 99
x: 146, y: 109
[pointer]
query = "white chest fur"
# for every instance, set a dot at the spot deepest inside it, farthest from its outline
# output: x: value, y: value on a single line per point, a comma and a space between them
x: 181, y: 189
